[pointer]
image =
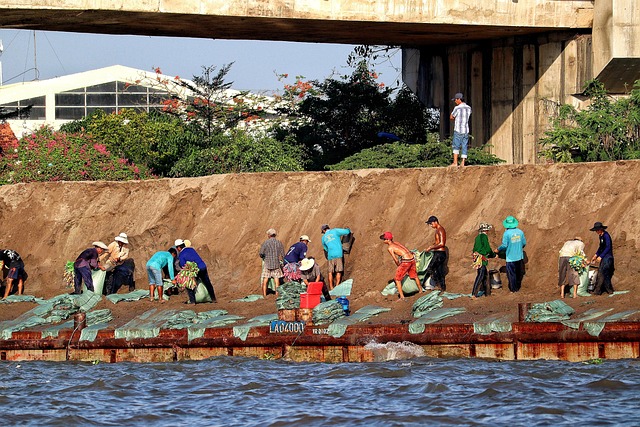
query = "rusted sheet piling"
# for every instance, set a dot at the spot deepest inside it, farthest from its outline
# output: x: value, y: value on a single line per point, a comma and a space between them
x: 525, y: 341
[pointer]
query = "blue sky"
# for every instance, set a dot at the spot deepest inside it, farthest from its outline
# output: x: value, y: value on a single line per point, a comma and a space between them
x: 255, y: 62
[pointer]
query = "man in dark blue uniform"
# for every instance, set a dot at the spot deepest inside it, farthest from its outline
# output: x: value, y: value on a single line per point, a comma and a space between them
x: 604, y: 255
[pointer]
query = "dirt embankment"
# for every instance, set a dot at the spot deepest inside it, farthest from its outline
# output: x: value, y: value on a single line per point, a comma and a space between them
x: 226, y: 216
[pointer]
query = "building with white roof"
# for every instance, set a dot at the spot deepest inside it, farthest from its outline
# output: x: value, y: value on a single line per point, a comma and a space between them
x: 63, y: 99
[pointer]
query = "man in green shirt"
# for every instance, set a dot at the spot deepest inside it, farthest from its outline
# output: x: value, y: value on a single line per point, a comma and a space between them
x: 481, y: 252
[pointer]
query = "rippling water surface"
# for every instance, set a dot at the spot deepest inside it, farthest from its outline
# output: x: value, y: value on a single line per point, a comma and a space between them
x: 250, y: 392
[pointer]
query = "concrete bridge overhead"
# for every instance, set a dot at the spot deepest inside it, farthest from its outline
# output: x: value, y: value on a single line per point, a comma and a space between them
x: 509, y: 57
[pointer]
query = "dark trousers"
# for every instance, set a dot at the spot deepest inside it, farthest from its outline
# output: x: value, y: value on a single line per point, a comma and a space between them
x: 482, y: 282
x: 82, y: 273
x: 204, y: 276
x: 605, y: 273
x: 515, y: 273
x: 436, y: 269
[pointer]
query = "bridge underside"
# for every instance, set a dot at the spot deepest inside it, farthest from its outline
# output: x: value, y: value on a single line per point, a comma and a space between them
x: 256, y: 28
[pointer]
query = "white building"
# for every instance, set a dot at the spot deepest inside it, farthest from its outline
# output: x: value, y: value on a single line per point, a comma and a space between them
x: 63, y: 99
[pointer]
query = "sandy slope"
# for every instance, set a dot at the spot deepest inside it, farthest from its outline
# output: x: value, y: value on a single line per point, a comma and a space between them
x: 226, y: 217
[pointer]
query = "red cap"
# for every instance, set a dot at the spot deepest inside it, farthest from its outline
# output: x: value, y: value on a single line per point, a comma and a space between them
x: 386, y: 236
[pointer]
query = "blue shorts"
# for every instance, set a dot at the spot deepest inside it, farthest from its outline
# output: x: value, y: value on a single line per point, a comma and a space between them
x: 155, y: 276
x: 17, y: 273
x: 460, y: 142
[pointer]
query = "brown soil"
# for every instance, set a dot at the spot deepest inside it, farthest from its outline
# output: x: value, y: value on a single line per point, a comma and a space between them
x: 226, y: 216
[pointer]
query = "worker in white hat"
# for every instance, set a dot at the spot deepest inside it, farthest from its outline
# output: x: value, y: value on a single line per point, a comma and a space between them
x: 296, y: 253
x: 85, y: 262
x: 117, y: 252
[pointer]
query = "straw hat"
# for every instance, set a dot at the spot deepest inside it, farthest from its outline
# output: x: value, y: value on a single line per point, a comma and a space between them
x: 307, y: 264
x: 100, y: 245
x: 122, y: 237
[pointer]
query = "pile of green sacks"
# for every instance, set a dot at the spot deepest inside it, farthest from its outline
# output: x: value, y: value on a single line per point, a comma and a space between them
x: 289, y: 295
x: 327, y: 312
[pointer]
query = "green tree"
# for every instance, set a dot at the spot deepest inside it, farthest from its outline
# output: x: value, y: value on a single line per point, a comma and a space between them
x: 608, y: 129
x: 209, y: 102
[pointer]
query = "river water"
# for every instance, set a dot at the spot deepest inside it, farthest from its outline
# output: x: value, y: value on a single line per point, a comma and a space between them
x: 233, y: 391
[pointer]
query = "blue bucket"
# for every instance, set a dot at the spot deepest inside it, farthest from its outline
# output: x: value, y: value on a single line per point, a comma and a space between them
x: 345, y: 304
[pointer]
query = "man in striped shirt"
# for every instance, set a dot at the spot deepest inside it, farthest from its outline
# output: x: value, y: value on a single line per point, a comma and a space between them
x: 272, y: 254
x: 460, y: 115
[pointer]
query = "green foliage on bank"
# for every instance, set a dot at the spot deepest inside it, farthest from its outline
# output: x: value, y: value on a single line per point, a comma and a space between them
x: 434, y: 153
x: 47, y: 155
x: 608, y: 129
x: 240, y: 152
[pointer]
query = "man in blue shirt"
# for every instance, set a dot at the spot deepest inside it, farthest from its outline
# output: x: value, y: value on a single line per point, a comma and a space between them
x: 604, y: 255
x: 186, y: 254
x: 297, y: 252
x: 333, y: 248
x: 513, y: 242
x: 155, y: 265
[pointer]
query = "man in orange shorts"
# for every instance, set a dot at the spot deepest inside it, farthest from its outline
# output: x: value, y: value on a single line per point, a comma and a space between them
x: 404, y: 259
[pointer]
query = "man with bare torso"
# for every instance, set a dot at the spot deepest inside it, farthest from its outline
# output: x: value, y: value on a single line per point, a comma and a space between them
x: 404, y: 259
x: 436, y: 267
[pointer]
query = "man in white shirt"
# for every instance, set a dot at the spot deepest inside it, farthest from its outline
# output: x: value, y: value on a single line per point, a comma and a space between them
x: 460, y: 115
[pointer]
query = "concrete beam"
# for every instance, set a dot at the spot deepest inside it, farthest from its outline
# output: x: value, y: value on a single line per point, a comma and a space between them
x: 401, y: 22
x: 616, y: 43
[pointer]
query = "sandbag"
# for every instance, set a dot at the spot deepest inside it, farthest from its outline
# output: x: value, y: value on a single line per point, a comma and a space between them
x: 347, y: 242
x: 583, y: 287
x: 202, y: 295
x: 98, y: 281
x: 409, y: 286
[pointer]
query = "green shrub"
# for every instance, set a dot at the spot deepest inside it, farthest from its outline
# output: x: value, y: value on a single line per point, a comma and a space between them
x: 240, y: 152
x: 47, y: 155
x: 399, y: 155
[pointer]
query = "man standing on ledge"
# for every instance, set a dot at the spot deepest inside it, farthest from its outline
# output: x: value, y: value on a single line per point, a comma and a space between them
x: 333, y: 248
x: 513, y: 242
x: 604, y: 255
x: 460, y: 116
x: 436, y: 266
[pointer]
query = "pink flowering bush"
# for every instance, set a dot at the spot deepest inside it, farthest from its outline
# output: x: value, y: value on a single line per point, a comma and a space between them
x: 47, y: 155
